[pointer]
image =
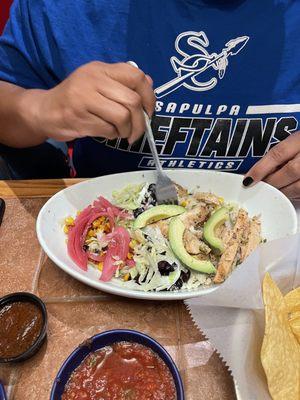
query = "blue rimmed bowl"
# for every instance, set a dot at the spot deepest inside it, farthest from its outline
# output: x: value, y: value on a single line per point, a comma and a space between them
x: 2, y: 392
x: 105, y: 339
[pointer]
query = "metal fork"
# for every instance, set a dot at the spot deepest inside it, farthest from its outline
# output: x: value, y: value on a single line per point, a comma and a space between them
x: 166, y: 192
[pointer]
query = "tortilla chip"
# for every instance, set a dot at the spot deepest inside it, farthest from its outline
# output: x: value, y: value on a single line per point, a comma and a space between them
x: 280, y: 353
x: 295, y: 315
x: 292, y: 300
x: 294, y: 320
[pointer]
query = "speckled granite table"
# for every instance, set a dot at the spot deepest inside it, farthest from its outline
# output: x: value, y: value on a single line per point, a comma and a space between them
x: 77, y: 312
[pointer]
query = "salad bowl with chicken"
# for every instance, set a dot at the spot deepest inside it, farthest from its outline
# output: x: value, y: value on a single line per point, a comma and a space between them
x: 121, y: 241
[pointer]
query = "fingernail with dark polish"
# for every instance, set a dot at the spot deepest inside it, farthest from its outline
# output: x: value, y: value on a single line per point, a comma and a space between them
x: 2, y: 209
x: 248, y: 181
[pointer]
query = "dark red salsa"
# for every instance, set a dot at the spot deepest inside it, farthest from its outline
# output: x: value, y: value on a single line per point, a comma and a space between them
x: 20, y: 326
x: 123, y: 371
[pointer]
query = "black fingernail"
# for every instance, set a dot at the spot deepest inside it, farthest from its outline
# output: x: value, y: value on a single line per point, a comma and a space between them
x: 248, y: 181
x: 2, y: 209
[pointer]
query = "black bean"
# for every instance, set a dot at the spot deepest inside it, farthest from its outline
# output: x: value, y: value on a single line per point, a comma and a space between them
x: 85, y: 247
x: 137, y: 212
x: 185, y: 276
x: 152, y: 188
x: 148, y: 200
x: 165, y: 268
x: 138, y: 277
x: 163, y: 253
x: 152, y: 194
x: 177, y: 285
x: 152, y: 202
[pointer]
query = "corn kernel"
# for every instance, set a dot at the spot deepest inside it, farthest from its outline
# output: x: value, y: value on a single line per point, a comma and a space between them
x: 221, y: 200
x: 66, y: 229
x: 91, y: 233
x: 106, y: 227
x: 130, y: 256
x: 184, y: 203
x: 132, y: 244
x: 126, y: 277
x: 100, y: 266
x: 69, y: 221
x: 97, y: 224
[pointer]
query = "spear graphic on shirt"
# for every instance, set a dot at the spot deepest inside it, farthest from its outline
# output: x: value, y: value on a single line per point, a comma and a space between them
x: 200, y: 63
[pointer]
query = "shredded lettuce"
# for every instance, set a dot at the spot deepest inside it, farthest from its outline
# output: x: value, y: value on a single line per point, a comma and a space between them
x: 131, y: 196
x: 145, y: 276
x: 196, y: 280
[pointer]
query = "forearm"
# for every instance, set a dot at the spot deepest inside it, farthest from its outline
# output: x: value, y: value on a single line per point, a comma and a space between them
x: 19, y: 122
x: 97, y: 99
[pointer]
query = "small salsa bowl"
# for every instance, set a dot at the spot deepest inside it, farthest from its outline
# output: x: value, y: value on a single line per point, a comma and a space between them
x: 105, y: 339
x: 34, y: 348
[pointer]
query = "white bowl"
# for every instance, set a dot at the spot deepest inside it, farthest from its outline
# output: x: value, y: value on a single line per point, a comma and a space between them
x: 278, y: 217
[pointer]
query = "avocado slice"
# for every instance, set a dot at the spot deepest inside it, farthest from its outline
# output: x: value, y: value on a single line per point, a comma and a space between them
x: 157, y: 213
x: 218, y: 218
x: 176, y: 231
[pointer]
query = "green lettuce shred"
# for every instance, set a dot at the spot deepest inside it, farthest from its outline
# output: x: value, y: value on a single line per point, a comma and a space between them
x: 130, y: 197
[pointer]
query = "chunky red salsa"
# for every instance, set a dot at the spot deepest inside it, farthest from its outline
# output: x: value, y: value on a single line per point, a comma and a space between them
x: 123, y: 371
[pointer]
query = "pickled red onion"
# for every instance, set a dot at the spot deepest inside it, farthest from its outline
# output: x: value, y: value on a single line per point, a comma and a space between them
x: 77, y: 233
x: 118, y: 247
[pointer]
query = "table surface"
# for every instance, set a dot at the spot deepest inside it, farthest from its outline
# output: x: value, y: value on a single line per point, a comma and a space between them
x: 77, y: 312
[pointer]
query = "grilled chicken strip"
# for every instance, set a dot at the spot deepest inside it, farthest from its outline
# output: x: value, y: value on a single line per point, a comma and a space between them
x: 208, y: 198
x: 195, y: 216
x: 224, y: 233
x: 193, y: 245
x: 253, y: 238
x: 181, y: 191
x: 191, y: 242
x: 227, y: 259
x: 163, y: 225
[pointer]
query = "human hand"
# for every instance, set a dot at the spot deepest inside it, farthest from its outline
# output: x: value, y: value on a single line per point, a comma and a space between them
x: 98, y: 99
x: 280, y: 167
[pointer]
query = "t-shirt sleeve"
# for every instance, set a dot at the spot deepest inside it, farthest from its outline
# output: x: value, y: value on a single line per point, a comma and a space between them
x: 19, y: 52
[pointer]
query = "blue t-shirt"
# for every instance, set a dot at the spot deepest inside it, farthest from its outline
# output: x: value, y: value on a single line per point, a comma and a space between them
x: 226, y: 73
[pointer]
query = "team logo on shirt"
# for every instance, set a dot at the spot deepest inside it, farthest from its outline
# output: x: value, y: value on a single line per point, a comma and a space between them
x: 224, y: 137
x: 195, y: 60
